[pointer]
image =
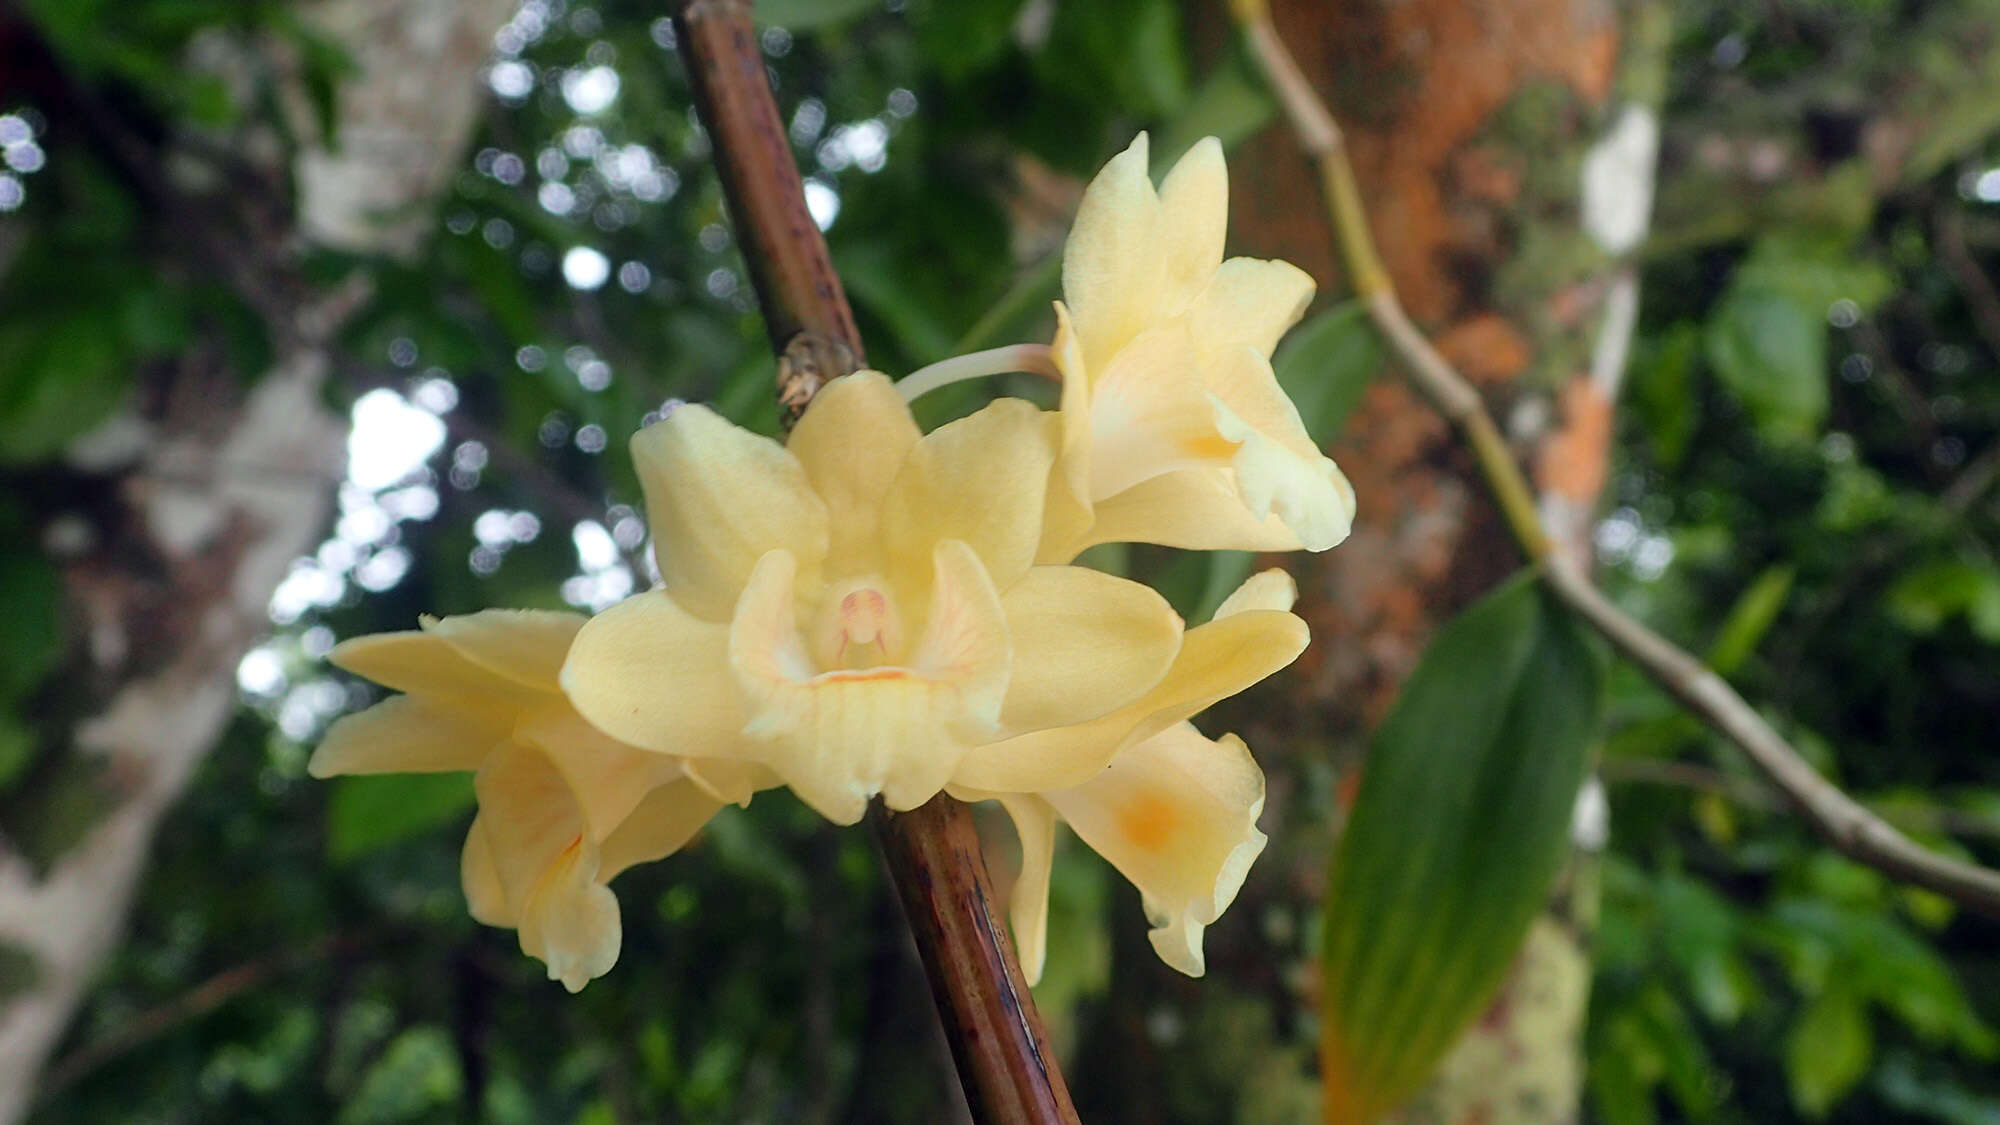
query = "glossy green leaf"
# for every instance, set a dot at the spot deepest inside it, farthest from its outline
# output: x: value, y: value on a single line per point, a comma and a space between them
x: 1828, y: 1051
x: 1461, y: 822
x: 366, y: 813
x: 1326, y: 364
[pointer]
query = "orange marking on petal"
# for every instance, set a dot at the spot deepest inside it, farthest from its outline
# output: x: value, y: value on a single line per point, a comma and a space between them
x: 1209, y: 445
x: 1148, y: 822
x: 864, y: 675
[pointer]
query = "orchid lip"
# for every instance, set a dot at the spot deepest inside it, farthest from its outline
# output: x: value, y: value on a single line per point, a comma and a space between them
x: 864, y: 675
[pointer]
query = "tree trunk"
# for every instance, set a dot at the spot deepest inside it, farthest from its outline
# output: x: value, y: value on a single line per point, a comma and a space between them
x: 1506, y: 155
x: 1506, y: 152
x: 203, y: 497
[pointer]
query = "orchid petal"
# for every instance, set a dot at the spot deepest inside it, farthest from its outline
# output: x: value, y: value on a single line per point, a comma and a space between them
x: 1111, y: 263
x: 1216, y: 661
x: 981, y: 479
x: 851, y: 442
x: 1028, y: 906
x: 1150, y: 414
x: 1276, y: 477
x: 1085, y: 644
x: 1198, y: 509
x: 731, y: 781
x: 1250, y: 302
x: 479, y: 873
x: 1194, y: 213
x: 1177, y: 815
x: 1271, y: 589
x: 606, y: 777
x: 718, y: 497
x: 547, y: 865
x: 1066, y: 518
x: 659, y: 826
x: 526, y: 646
x: 406, y: 734
x: 647, y: 672
x: 430, y: 667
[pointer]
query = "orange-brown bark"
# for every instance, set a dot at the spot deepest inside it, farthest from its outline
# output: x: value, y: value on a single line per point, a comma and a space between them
x: 1466, y: 124
x: 1427, y: 91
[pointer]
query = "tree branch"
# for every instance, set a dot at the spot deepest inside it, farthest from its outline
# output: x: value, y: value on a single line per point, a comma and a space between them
x: 1843, y: 822
x: 805, y: 308
x: 1752, y: 794
x: 932, y: 853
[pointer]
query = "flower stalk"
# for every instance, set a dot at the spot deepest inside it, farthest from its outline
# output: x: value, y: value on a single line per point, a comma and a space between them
x: 1004, y: 1063
x: 1031, y: 359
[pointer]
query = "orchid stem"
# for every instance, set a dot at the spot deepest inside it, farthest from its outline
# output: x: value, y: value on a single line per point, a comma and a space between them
x: 1850, y: 827
x: 1035, y: 359
x: 1004, y: 1064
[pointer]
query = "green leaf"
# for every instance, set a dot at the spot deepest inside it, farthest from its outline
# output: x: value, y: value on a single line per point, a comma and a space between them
x: 961, y: 36
x: 57, y: 380
x: 1769, y: 350
x: 1828, y: 1051
x: 1461, y: 822
x: 417, y: 1076
x: 153, y: 319
x: 29, y: 629
x: 1814, y: 269
x: 809, y: 15
x: 1326, y: 364
x: 1750, y: 618
x: 1663, y: 389
x: 1230, y: 104
x: 1856, y: 498
x: 1128, y: 54
x: 1924, y: 597
x: 366, y: 813
x: 17, y: 749
x: 879, y: 281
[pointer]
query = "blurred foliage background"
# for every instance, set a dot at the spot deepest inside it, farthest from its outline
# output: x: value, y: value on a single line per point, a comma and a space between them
x: 1803, y: 488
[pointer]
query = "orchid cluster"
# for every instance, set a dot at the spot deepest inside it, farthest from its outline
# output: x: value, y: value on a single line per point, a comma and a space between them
x: 868, y: 611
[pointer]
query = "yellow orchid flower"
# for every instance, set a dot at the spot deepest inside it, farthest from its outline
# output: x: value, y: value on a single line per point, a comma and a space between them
x: 1175, y: 430
x: 1174, y: 812
x: 859, y: 608
x: 562, y: 807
